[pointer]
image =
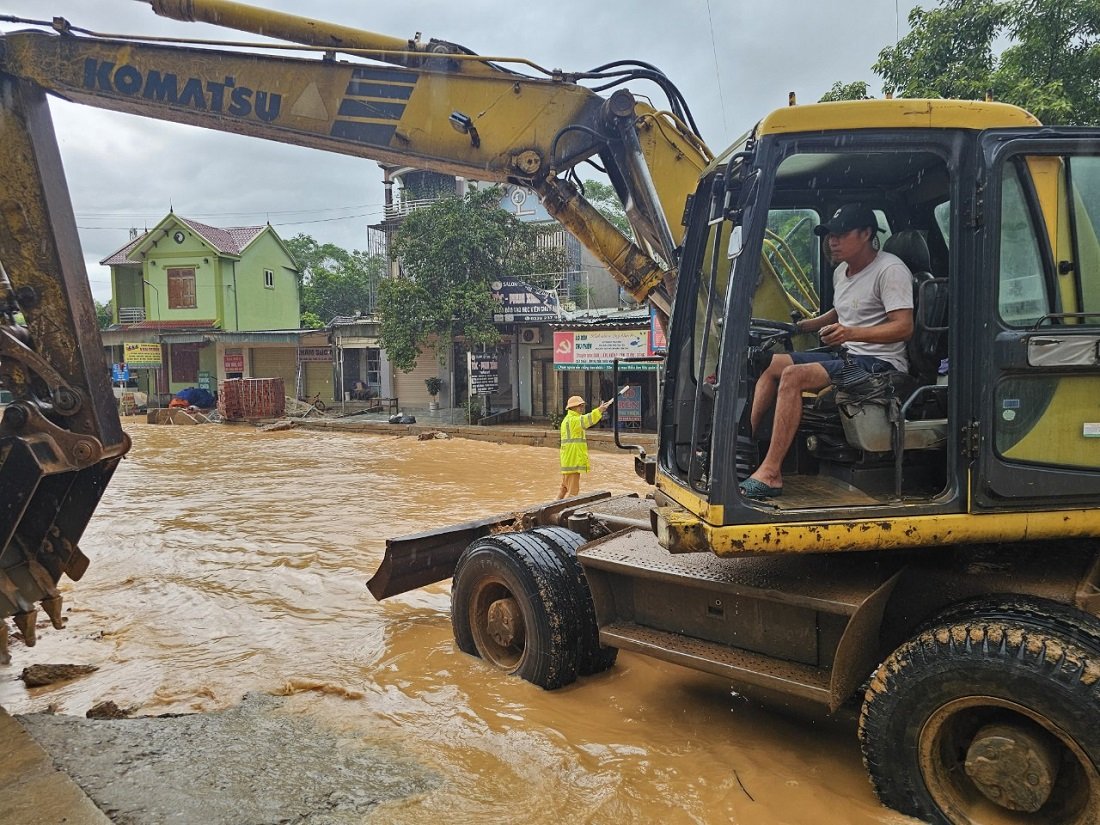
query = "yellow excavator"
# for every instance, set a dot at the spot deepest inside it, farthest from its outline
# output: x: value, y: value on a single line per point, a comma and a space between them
x: 934, y: 555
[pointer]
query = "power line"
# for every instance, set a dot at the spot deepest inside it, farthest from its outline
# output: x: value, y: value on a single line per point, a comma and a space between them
x: 717, y: 71
x: 142, y: 215
x: 280, y: 223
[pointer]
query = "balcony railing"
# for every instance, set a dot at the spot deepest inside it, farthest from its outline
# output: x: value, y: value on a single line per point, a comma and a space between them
x: 131, y: 315
x: 402, y: 207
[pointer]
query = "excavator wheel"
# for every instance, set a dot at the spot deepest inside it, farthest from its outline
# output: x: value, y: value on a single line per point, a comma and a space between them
x: 592, y: 657
x: 990, y: 717
x: 510, y: 601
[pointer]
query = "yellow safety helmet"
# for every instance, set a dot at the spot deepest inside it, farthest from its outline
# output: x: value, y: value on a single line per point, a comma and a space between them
x: 574, y: 401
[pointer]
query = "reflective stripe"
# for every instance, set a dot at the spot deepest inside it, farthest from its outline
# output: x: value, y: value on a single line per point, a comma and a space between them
x: 574, y: 441
x: 581, y: 469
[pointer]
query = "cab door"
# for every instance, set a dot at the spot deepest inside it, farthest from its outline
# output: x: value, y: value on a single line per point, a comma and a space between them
x: 1035, y: 328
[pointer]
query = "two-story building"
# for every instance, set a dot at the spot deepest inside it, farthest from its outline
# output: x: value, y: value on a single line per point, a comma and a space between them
x: 194, y: 304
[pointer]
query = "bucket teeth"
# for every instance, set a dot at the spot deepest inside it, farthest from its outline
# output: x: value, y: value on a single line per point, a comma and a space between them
x: 25, y: 623
x: 52, y: 607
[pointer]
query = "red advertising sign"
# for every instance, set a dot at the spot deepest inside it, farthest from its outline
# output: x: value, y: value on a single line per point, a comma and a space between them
x: 630, y: 404
x: 233, y: 360
x: 658, y: 343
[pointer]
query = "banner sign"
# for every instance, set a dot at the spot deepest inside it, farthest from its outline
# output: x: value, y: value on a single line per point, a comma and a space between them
x: 597, y: 349
x: 142, y: 356
x: 120, y: 373
x: 205, y: 380
x: 630, y: 404
x: 233, y: 360
x: 484, y: 372
x: 314, y: 354
x: 658, y: 341
x: 520, y: 302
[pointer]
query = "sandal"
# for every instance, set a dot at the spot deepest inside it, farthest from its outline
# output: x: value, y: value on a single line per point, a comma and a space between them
x: 755, y: 488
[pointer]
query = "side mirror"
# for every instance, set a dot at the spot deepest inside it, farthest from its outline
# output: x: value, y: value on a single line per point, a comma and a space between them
x: 735, y: 243
x: 740, y: 194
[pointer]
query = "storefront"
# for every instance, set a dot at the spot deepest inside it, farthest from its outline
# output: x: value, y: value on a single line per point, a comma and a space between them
x: 363, y: 369
x: 582, y: 361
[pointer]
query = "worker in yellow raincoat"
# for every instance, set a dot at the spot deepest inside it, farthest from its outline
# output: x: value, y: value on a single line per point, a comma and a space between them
x: 574, y: 444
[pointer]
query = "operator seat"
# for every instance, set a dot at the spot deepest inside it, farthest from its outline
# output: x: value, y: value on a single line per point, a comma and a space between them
x: 870, y: 427
x: 872, y: 431
x: 926, y: 347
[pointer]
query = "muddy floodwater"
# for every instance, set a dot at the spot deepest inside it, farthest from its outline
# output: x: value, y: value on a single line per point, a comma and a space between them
x: 228, y: 562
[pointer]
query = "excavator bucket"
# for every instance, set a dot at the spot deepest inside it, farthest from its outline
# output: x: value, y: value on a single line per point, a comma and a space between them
x: 60, y: 437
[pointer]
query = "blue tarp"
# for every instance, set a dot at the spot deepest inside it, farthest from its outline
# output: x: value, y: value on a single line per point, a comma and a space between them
x: 197, y: 397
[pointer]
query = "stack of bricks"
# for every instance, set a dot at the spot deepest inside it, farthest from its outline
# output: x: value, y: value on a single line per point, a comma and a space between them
x: 241, y: 399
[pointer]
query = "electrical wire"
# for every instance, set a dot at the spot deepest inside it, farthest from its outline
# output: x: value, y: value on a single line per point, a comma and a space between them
x: 141, y: 216
x: 717, y: 71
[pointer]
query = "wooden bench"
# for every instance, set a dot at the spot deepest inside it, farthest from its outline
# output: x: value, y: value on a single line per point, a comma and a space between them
x: 388, y: 405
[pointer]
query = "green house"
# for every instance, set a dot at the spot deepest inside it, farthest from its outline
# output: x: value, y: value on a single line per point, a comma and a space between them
x: 185, y: 290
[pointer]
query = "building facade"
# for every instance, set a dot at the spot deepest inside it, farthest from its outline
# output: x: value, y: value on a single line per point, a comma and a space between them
x: 530, y: 375
x: 194, y: 304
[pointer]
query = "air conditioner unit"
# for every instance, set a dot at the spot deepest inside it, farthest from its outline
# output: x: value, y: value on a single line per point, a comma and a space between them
x: 530, y: 335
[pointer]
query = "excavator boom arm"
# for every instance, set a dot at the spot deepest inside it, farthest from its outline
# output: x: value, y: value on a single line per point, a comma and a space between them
x: 490, y: 126
x: 432, y: 105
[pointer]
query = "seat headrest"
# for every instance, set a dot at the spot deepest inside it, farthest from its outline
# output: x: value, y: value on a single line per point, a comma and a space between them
x: 910, y: 246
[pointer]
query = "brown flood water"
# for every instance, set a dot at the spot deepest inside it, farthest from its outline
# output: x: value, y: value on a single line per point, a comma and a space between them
x: 225, y: 560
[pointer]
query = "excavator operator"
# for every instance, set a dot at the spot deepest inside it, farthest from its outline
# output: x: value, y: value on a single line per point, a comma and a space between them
x: 872, y: 318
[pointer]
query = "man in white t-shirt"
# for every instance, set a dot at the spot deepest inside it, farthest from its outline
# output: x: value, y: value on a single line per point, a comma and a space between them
x: 872, y: 318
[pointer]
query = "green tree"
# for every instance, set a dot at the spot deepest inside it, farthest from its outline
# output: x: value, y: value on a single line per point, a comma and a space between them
x: 450, y: 253
x: 856, y: 90
x: 607, y: 203
x: 1050, y: 63
x: 334, y: 281
x: 103, y: 314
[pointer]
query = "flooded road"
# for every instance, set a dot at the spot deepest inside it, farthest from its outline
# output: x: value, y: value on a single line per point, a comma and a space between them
x: 227, y: 561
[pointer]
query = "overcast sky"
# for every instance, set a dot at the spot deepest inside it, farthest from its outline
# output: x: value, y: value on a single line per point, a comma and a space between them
x: 733, y: 61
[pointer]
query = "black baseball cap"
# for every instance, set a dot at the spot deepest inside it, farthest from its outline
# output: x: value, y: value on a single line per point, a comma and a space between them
x: 848, y: 217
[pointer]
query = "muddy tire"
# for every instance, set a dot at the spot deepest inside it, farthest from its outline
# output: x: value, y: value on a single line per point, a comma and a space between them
x: 990, y: 719
x: 592, y: 657
x: 510, y: 602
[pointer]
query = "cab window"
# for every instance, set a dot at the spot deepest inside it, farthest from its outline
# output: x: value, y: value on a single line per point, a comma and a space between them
x: 1022, y: 297
x: 1084, y: 182
x: 793, y: 253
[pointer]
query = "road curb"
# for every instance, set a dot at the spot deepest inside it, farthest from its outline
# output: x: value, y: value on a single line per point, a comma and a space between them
x: 33, y: 788
x: 602, y: 440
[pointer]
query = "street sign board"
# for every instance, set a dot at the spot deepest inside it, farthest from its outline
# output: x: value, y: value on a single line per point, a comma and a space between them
x: 484, y: 370
x: 142, y: 356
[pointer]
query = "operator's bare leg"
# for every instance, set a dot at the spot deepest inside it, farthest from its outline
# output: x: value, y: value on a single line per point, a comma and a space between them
x: 766, y: 386
x: 795, y: 379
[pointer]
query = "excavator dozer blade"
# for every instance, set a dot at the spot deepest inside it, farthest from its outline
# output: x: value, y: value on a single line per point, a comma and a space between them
x: 425, y: 558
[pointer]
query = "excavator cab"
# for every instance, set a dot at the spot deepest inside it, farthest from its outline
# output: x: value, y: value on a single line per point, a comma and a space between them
x: 1000, y: 236
x: 778, y: 271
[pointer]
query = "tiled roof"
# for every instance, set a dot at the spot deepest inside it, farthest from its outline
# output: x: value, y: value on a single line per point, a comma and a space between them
x: 348, y: 320
x: 607, y: 317
x: 162, y: 325
x: 230, y: 241
x: 122, y: 256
